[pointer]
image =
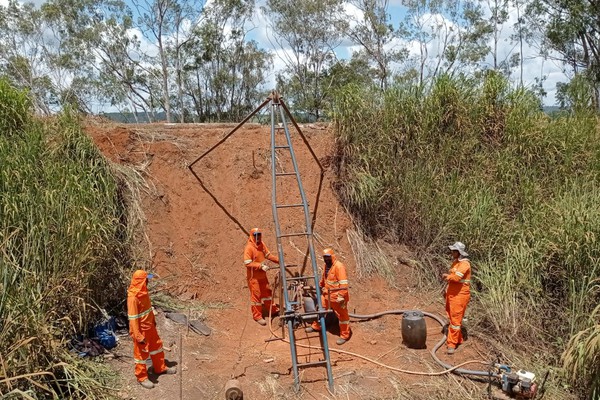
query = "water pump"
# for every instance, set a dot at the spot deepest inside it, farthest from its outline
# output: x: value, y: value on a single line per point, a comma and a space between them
x: 517, y: 384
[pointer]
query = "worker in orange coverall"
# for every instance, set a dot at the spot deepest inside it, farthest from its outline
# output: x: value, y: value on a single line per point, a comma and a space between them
x: 334, y: 294
x: 458, y: 294
x: 255, y: 253
x: 142, y: 328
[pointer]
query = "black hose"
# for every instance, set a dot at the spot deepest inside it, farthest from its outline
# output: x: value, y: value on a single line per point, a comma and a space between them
x: 436, y: 347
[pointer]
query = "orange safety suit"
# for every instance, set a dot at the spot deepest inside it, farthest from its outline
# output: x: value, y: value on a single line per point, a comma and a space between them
x: 334, y: 285
x: 142, y: 328
x: 258, y: 283
x: 458, y: 295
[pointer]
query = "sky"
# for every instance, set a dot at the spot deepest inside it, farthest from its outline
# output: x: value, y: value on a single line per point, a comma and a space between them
x: 535, y: 66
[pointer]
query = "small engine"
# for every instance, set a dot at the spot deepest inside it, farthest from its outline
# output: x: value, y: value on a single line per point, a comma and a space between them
x: 519, y: 384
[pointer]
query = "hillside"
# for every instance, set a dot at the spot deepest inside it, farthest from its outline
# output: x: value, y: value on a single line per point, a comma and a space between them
x: 196, y: 249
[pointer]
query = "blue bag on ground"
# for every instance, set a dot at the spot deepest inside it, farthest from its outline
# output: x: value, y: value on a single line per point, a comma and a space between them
x: 105, y: 333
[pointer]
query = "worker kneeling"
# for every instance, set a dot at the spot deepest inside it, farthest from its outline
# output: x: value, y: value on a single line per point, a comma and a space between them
x: 334, y: 294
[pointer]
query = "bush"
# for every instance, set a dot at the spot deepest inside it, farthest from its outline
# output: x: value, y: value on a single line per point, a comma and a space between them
x: 479, y: 162
x: 15, y: 107
x: 63, y: 244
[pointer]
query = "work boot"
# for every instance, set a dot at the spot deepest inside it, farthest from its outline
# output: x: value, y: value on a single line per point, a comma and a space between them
x: 341, y: 341
x: 310, y: 329
x: 170, y: 371
x: 261, y: 321
x: 147, y: 383
x: 450, y: 350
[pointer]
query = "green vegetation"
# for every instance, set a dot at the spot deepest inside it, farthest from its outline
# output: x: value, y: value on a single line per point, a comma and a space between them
x: 478, y: 161
x: 63, y: 244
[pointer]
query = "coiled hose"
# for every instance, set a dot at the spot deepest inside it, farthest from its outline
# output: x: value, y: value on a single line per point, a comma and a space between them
x: 435, y: 348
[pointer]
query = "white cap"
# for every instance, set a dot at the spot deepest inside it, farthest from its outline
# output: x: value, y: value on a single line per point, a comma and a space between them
x: 460, y: 247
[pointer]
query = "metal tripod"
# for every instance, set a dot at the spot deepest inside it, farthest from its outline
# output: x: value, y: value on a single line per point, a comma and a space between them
x: 282, y: 155
x: 293, y: 306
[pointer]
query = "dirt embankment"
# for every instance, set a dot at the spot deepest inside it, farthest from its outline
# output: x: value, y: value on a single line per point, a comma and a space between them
x: 197, y: 251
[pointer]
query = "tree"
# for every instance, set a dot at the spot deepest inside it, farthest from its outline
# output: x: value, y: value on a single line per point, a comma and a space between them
x: 224, y: 70
x: 161, y: 21
x: 572, y: 30
x: 376, y: 35
x: 452, y: 35
x: 308, y: 34
x: 22, y: 51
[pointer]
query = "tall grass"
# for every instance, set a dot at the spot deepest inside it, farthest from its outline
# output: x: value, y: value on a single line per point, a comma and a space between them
x: 62, y: 248
x: 478, y: 161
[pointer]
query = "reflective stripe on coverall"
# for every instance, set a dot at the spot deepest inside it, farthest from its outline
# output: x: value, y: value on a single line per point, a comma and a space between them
x: 258, y: 283
x: 336, y: 279
x: 142, y: 328
x: 458, y: 295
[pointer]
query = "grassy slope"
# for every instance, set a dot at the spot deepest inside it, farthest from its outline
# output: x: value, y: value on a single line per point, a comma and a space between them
x: 62, y: 245
x: 481, y: 163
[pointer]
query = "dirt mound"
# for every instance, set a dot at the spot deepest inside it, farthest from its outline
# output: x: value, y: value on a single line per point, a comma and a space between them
x: 197, y: 251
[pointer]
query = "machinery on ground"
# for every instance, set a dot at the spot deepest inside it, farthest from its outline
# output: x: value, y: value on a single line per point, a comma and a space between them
x: 520, y: 384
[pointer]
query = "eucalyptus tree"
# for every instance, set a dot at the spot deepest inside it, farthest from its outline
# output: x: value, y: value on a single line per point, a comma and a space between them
x: 23, y: 50
x: 452, y: 35
x: 224, y: 70
x: 307, y: 34
x: 161, y: 23
x: 571, y: 35
x: 123, y: 78
x: 78, y: 52
x: 374, y: 32
x: 521, y: 32
x: 498, y: 10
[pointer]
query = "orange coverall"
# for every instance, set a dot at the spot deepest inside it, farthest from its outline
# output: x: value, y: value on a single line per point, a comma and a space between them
x: 142, y: 328
x: 258, y: 283
x: 458, y: 295
x: 336, y: 279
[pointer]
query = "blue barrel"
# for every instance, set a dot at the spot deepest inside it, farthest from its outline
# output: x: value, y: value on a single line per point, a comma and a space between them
x: 414, y: 329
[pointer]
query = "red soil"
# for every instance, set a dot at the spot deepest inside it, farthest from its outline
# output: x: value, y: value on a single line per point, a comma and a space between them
x: 196, y: 249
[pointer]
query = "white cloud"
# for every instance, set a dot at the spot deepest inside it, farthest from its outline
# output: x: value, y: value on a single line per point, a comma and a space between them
x: 146, y: 46
x: 534, y: 65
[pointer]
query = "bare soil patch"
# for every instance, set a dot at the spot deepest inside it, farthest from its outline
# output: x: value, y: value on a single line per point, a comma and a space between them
x: 197, y: 251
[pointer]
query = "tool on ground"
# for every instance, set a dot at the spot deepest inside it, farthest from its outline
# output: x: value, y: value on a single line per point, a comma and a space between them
x: 195, y: 325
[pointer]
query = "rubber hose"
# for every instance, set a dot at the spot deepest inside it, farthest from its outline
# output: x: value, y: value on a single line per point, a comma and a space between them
x: 436, y: 347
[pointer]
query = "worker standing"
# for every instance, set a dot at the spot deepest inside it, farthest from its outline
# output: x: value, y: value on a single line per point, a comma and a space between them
x: 255, y: 253
x: 142, y: 328
x: 334, y: 294
x: 458, y: 293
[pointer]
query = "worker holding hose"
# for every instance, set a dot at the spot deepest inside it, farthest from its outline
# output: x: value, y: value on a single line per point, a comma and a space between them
x: 334, y: 294
x: 458, y: 293
x: 255, y: 253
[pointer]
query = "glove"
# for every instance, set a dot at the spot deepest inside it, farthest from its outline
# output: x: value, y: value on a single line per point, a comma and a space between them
x: 264, y: 267
x: 340, y: 299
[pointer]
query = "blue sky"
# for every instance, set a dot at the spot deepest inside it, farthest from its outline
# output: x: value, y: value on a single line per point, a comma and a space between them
x: 535, y: 66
